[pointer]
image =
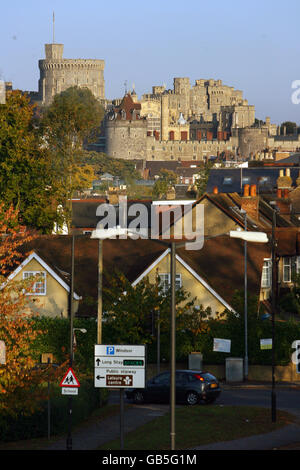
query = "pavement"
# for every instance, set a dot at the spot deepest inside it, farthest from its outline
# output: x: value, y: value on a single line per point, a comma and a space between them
x: 97, y: 434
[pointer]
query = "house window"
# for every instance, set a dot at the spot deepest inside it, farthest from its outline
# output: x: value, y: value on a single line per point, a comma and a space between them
x: 287, y: 269
x: 266, y: 279
x: 165, y: 282
x: 39, y: 287
x: 227, y: 180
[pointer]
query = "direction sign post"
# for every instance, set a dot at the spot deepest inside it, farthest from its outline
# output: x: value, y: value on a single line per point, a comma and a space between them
x: 120, y: 366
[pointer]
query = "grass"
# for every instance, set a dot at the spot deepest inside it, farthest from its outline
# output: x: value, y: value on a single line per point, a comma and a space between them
x: 201, y: 425
x: 195, y: 426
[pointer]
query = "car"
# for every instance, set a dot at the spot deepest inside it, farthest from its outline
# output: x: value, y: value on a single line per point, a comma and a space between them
x: 192, y: 387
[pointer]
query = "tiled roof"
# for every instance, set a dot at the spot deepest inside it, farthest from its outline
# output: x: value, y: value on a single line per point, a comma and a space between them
x: 220, y: 262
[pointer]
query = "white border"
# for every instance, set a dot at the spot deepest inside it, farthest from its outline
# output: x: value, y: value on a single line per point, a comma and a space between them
x: 191, y: 271
x: 35, y: 256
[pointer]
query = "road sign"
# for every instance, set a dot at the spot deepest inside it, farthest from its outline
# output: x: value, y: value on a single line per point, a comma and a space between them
x: 120, y: 366
x: 70, y: 380
x: 69, y: 391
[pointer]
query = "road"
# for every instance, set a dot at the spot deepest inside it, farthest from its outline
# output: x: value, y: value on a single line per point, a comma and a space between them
x: 286, y: 399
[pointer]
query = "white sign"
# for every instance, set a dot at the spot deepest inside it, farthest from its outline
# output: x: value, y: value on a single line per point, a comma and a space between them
x: 120, y: 366
x: 222, y: 345
x: 69, y: 379
x: 69, y: 391
x: 266, y: 343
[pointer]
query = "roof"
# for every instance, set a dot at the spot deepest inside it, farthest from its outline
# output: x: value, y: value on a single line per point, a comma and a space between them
x: 220, y: 263
x: 228, y: 180
x: 84, y: 212
x: 231, y: 203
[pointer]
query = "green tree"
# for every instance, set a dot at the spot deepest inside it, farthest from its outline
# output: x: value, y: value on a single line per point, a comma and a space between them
x: 71, y: 121
x: 133, y: 313
x: 290, y: 127
x: 25, y: 174
x: 166, y: 180
x: 203, y: 175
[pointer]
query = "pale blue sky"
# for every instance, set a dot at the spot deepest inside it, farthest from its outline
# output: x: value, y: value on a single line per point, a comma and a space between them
x: 253, y: 46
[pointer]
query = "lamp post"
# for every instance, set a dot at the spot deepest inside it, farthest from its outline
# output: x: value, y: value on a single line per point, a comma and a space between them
x: 274, y: 278
x: 255, y: 237
x: 102, y: 234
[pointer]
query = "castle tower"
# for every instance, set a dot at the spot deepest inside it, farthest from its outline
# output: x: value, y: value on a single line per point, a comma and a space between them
x: 58, y: 74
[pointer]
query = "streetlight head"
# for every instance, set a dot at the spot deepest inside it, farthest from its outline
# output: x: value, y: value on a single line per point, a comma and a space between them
x: 255, y: 237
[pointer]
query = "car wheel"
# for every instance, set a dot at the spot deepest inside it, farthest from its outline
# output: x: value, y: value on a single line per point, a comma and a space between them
x: 138, y: 397
x: 192, y: 398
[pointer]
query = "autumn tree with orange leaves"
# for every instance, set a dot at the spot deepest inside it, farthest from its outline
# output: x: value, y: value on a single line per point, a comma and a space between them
x: 21, y: 381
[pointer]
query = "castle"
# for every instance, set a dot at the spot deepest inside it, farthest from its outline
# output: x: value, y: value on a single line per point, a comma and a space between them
x: 189, y: 123
x: 186, y: 123
x: 57, y: 74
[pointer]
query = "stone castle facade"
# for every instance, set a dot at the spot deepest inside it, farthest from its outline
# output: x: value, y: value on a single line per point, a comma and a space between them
x: 57, y: 74
x: 188, y: 123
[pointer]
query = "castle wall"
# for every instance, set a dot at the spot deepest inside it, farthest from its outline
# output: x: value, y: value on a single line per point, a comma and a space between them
x: 126, y: 139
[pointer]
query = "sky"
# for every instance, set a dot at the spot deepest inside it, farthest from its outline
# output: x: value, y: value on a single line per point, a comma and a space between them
x: 253, y: 46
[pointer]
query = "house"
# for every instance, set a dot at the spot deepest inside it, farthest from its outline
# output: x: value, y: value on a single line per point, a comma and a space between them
x: 212, y: 274
x: 223, y: 212
x: 231, y: 180
x: 50, y: 294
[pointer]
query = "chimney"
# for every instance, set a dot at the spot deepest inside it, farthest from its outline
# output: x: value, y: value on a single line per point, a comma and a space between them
x: 253, y: 190
x: 250, y: 201
x: 279, y: 193
x: 215, y: 190
x: 246, y: 190
x: 284, y: 180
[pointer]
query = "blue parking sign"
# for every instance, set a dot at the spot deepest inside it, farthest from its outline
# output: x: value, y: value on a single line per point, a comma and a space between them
x: 110, y: 350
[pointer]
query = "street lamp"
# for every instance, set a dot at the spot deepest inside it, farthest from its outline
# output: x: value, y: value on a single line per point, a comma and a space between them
x: 255, y: 237
x: 102, y: 234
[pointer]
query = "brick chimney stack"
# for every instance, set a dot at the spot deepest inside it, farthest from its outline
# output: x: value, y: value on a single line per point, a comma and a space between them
x: 250, y: 201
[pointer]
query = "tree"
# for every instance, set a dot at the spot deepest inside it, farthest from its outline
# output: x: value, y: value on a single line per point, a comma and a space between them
x: 133, y: 313
x: 166, y: 180
x: 67, y: 124
x: 25, y: 175
x: 21, y: 389
x: 290, y: 127
x: 203, y: 175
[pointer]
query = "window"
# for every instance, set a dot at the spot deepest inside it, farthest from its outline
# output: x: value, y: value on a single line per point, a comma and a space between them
x: 227, y: 180
x: 266, y: 274
x: 165, y: 282
x: 287, y: 269
x: 39, y: 287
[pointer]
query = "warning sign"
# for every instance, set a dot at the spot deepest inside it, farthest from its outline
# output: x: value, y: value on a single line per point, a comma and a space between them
x: 70, y: 380
x: 119, y: 380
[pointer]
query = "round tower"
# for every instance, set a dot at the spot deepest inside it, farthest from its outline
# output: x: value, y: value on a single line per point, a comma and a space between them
x: 58, y: 74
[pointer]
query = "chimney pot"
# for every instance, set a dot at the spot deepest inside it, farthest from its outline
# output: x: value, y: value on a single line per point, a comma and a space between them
x: 279, y: 193
x: 253, y: 190
x: 215, y: 190
x: 246, y: 190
